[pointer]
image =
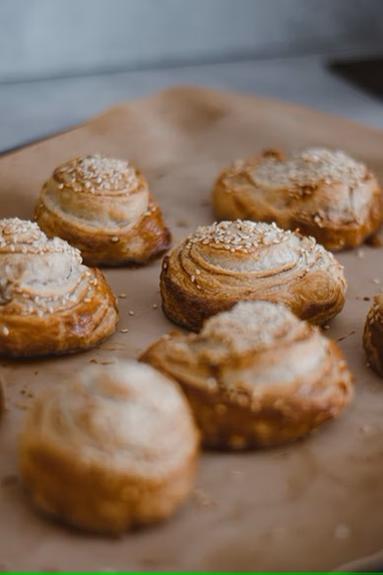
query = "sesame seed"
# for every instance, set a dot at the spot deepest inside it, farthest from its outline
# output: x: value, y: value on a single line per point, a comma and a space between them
x: 124, y: 330
x: 41, y: 256
x: 96, y: 173
x: 115, y: 239
x: 122, y: 295
x: 308, y: 169
x: 5, y: 330
x: 131, y: 312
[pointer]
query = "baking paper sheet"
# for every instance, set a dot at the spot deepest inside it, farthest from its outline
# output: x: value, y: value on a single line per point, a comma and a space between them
x: 316, y: 504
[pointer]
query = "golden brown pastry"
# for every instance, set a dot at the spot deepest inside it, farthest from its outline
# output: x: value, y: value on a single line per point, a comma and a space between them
x: 224, y: 263
x: 49, y: 302
x: 326, y: 194
x: 255, y: 376
x: 103, y: 207
x: 373, y: 335
x: 110, y: 448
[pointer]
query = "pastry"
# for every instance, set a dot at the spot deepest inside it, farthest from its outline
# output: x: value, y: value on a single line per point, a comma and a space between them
x: 224, y: 263
x: 103, y: 207
x: 110, y: 448
x: 326, y: 194
x: 373, y: 335
x: 255, y: 376
x: 49, y: 302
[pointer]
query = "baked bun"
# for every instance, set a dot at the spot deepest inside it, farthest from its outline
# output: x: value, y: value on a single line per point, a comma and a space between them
x: 373, y: 335
x: 326, y: 194
x: 109, y: 449
x: 49, y: 302
x: 103, y: 207
x: 224, y: 263
x: 255, y: 376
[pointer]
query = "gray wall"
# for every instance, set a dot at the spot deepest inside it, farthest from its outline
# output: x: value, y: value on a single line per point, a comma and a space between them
x: 41, y: 38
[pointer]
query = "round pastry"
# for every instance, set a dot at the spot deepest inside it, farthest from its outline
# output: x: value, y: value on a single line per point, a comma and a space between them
x: 103, y: 207
x: 49, y: 302
x: 373, y: 335
x: 224, y: 263
x: 255, y: 376
x: 326, y: 194
x: 110, y: 449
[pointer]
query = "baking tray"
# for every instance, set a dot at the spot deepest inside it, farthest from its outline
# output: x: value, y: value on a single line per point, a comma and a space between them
x: 314, y: 505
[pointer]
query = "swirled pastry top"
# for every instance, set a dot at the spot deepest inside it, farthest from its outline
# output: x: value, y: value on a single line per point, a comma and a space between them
x: 38, y: 275
x: 227, y: 262
x: 126, y: 417
x: 98, y: 191
x: 254, y: 351
x: 326, y: 193
x: 50, y: 303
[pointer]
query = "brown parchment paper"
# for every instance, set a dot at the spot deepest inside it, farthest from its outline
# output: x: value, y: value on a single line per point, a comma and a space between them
x: 316, y: 504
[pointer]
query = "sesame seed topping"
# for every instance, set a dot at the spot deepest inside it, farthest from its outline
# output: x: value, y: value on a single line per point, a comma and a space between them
x: 309, y: 168
x: 251, y: 325
x: 239, y: 235
x: 38, y: 275
x: 96, y: 173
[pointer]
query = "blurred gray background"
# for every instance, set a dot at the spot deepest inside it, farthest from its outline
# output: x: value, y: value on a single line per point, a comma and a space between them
x: 63, y: 60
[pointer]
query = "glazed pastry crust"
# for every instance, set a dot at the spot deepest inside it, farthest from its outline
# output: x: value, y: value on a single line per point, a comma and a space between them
x: 340, y: 208
x: 78, y: 328
x: 98, y: 452
x: 246, y: 391
x: 224, y: 263
x: 50, y: 304
x: 110, y: 223
x: 373, y: 335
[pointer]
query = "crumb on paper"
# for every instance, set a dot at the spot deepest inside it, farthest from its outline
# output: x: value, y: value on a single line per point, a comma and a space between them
x: 182, y: 224
x: 376, y: 281
x: 155, y: 306
x: 326, y: 327
x: 342, y: 531
x: 343, y: 337
x: 101, y: 361
x: 366, y: 428
x: 237, y: 473
x: 360, y: 253
x: 131, y: 312
x: 202, y: 498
